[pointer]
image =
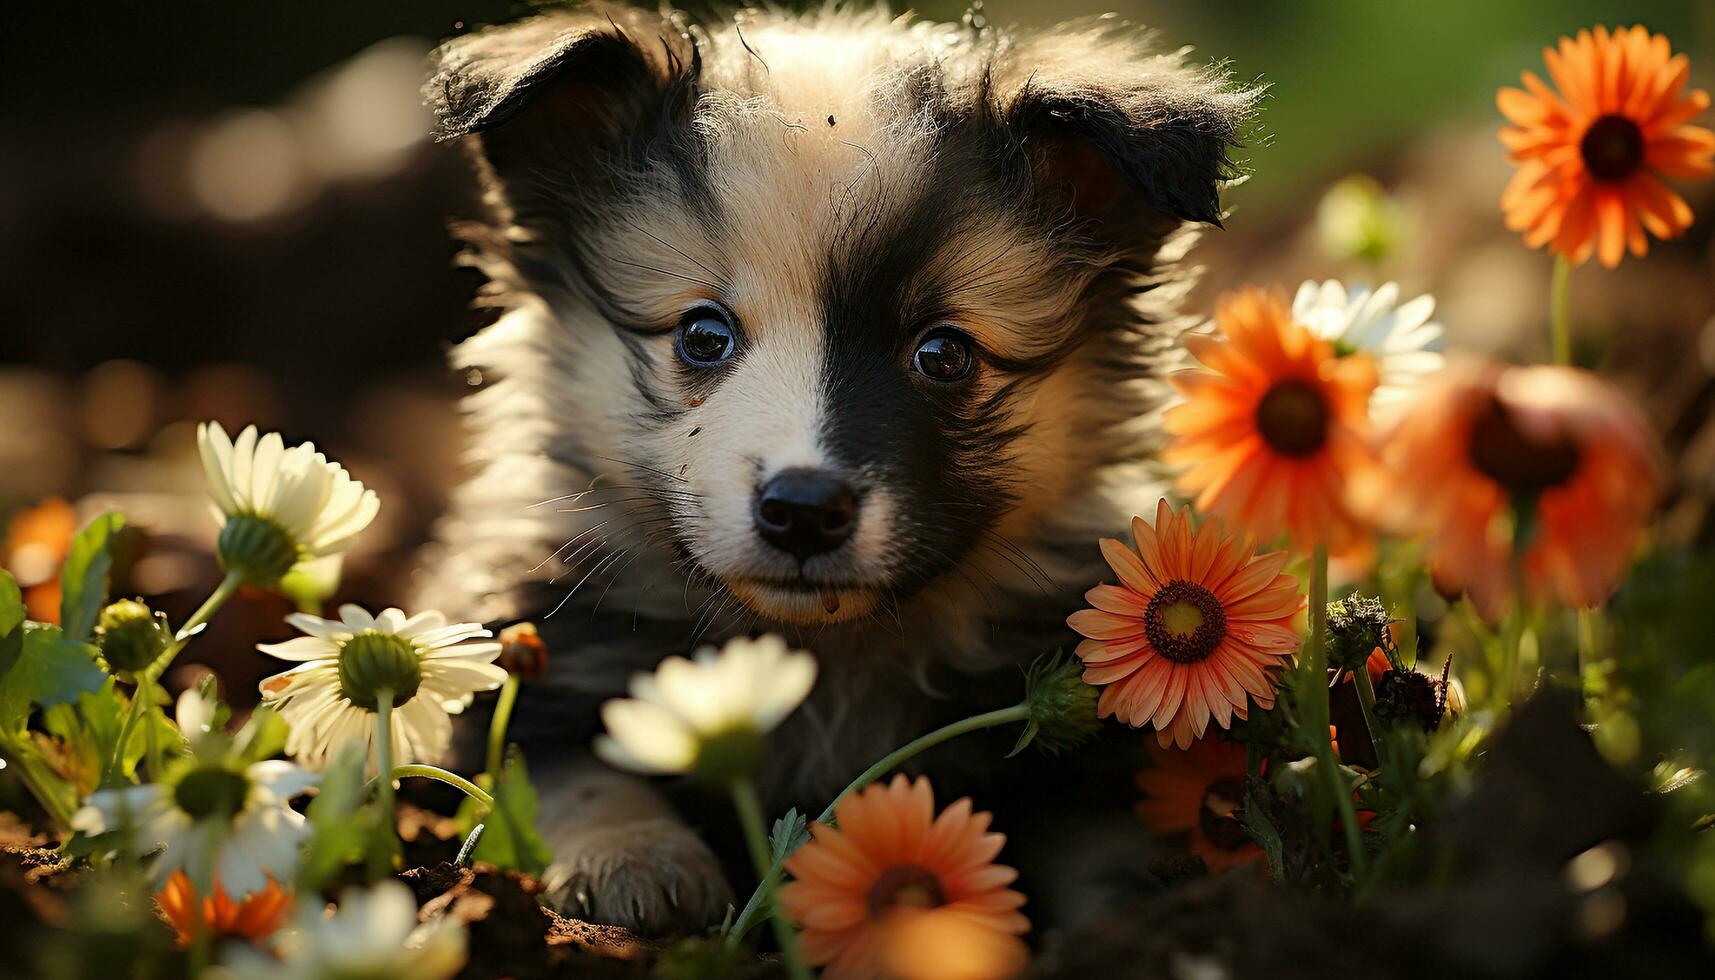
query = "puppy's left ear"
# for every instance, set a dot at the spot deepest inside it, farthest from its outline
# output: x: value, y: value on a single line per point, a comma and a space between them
x: 1133, y: 152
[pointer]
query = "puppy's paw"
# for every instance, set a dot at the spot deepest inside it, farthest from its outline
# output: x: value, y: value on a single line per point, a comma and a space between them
x: 654, y: 877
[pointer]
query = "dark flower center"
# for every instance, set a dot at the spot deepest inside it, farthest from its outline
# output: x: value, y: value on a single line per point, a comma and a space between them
x: 1221, y: 800
x: 1184, y: 622
x: 1612, y: 148
x: 906, y: 884
x: 1520, y: 462
x: 1293, y: 418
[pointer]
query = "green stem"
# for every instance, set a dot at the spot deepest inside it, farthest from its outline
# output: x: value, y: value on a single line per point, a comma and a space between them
x: 1367, y: 701
x: 1002, y: 716
x: 384, y: 779
x: 756, y: 839
x: 139, y: 699
x: 1560, y: 311
x: 1316, y: 717
x: 497, y: 725
x: 438, y: 774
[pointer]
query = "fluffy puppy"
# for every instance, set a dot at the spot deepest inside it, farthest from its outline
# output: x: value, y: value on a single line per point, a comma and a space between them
x: 843, y: 326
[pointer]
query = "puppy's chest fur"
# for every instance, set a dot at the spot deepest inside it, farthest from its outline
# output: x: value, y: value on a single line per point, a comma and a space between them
x: 840, y: 187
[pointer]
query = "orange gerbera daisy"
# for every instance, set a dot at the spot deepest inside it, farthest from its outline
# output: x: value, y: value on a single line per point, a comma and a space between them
x: 1275, y: 427
x: 1192, y: 631
x: 1481, y: 437
x: 1592, y: 154
x: 257, y: 916
x: 890, y: 852
x: 1200, y: 790
x: 939, y: 944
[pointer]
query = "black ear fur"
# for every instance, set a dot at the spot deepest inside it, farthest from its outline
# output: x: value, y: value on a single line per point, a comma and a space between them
x: 550, y: 95
x: 1096, y: 142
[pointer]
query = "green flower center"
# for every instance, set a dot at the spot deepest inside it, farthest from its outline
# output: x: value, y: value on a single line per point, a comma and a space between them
x: 372, y: 661
x: 1184, y: 622
x: 909, y: 885
x: 1292, y: 418
x: 728, y: 755
x: 256, y: 548
x: 211, y: 791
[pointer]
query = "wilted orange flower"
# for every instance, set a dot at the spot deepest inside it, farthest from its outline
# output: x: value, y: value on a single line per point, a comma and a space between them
x: 1198, y: 790
x: 1275, y: 427
x: 1194, y: 628
x: 1592, y: 150
x: 257, y: 916
x: 1481, y: 436
x: 889, y: 853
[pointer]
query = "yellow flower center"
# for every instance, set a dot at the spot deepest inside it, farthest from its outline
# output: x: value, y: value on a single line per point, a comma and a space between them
x: 1184, y: 622
x: 1612, y: 148
x: 1292, y: 417
x: 909, y: 885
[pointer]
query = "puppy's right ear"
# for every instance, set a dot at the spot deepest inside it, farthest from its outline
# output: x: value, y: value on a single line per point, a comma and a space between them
x: 553, y: 96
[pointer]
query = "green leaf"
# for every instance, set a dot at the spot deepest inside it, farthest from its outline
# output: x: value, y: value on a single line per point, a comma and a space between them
x: 790, y: 833
x: 511, y: 840
x: 51, y: 670
x: 90, y: 729
x: 83, y: 576
x: 263, y: 735
x: 11, y: 621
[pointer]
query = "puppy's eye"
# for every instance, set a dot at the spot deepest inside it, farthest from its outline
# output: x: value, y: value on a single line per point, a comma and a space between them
x: 944, y: 355
x: 706, y: 336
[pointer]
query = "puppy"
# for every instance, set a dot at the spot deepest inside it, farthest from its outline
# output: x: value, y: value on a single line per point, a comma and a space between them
x: 841, y: 326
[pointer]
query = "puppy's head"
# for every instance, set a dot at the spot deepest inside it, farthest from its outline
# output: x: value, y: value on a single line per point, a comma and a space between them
x: 849, y: 305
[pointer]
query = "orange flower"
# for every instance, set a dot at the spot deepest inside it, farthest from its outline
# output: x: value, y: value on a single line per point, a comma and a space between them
x: 1194, y: 628
x: 1275, y: 427
x: 257, y: 916
x: 36, y: 543
x: 1199, y: 790
x: 890, y: 852
x: 1592, y: 154
x: 937, y: 944
x: 1481, y: 436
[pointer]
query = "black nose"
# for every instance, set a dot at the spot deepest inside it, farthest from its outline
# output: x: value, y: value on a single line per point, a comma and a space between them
x: 805, y: 512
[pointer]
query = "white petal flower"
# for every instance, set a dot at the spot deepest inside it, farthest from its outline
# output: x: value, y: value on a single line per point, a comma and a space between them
x: 212, y: 818
x: 265, y: 494
x: 432, y: 668
x: 674, y: 714
x: 1400, y: 337
x: 372, y: 933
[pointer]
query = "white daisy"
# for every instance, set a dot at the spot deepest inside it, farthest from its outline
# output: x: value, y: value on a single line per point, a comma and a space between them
x: 706, y: 715
x: 1400, y: 337
x: 218, y: 819
x: 279, y: 506
x: 371, y: 934
x: 433, y: 669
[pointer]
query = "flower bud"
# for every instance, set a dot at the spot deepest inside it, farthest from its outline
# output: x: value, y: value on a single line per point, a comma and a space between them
x: 522, y: 652
x: 1062, y: 707
x: 256, y: 549
x: 131, y: 636
x: 1357, y: 627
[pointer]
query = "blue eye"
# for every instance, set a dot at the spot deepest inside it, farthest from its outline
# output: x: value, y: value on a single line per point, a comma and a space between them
x: 706, y: 336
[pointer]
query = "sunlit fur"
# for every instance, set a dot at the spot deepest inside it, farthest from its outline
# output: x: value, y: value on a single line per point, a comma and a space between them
x: 822, y: 176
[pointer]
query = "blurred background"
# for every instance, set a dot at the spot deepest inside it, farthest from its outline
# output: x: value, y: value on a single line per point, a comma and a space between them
x: 231, y: 211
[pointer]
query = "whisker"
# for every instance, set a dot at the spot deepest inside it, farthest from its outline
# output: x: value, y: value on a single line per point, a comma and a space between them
x: 645, y: 467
